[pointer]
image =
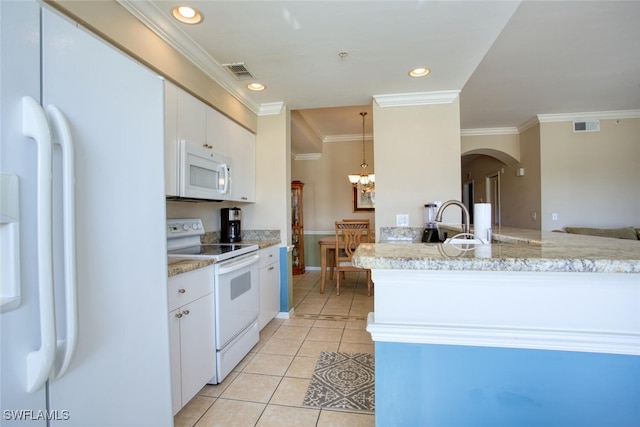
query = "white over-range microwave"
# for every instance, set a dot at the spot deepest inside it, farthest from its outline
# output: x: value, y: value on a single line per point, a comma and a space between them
x: 203, y: 174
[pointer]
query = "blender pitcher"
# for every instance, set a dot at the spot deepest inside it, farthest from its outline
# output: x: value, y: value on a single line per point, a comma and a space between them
x: 430, y: 234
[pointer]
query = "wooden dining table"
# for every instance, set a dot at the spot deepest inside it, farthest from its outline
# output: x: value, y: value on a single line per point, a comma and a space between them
x: 328, y: 249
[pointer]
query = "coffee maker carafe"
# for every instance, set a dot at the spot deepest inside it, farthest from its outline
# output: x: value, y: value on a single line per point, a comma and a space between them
x: 430, y: 234
x: 230, y: 225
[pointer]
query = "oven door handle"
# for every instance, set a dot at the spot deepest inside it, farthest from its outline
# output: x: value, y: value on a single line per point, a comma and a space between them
x: 234, y: 265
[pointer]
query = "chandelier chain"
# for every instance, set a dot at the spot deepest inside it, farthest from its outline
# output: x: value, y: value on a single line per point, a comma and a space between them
x: 364, y: 181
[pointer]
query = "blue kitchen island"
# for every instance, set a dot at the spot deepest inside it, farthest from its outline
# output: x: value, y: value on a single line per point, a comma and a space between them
x: 536, y: 329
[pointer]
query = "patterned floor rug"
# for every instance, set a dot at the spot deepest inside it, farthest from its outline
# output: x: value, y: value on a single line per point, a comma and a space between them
x: 342, y: 381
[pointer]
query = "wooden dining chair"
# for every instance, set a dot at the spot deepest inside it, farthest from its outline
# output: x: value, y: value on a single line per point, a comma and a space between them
x: 331, y: 252
x: 349, y: 234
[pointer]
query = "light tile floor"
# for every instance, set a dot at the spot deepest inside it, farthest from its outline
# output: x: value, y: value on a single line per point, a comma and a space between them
x: 267, y: 388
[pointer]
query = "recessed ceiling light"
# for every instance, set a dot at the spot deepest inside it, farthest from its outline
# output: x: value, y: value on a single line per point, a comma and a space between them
x: 256, y: 86
x: 187, y: 14
x: 419, y: 72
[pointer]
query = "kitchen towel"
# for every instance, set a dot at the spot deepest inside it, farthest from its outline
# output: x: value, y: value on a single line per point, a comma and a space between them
x: 482, y: 221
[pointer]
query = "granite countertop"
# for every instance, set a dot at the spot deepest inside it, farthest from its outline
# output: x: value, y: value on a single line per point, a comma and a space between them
x: 177, y: 266
x: 182, y: 265
x: 513, y: 250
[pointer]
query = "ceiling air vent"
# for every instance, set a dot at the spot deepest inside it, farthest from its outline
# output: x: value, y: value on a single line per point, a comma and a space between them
x: 238, y: 70
x: 586, y: 126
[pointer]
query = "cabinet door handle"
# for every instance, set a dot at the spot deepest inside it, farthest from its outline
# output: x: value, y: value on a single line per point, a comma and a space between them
x: 181, y: 291
x: 185, y: 312
x: 271, y: 268
x: 178, y: 315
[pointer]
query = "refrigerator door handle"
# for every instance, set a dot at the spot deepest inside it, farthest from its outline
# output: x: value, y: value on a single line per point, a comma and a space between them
x: 35, y: 126
x: 62, y: 136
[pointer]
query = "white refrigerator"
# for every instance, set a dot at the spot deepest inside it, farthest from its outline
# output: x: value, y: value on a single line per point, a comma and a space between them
x: 88, y: 346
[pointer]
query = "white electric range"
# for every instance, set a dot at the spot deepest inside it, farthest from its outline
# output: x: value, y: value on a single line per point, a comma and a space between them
x: 236, y: 294
x: 183, y: 241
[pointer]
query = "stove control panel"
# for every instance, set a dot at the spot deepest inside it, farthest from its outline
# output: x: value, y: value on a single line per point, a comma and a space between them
x: 184, y: 227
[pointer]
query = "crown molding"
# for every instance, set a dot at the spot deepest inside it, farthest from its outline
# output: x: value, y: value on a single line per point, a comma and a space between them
x: 311, y: 124
x: 596, y: 115
x: 415, y: 99
x: 489, y: 131
x: 271, y: 109
x: 528, y: 124
x: 306, y: 156
x: 149, y: 12
x: 347, y: 138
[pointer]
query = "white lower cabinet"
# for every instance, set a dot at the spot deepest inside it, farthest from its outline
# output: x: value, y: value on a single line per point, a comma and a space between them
x: 191, y: 334
x: 269, y: 281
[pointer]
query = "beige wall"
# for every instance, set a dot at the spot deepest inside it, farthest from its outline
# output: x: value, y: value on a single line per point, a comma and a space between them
x: 327, y: 192
x: 504, y: 147
x: 519, y: 195
x: 273, y: 149
x: 524, y: 193
x: 591, y: 179
x: 588, y: 179
x: 417, y: 152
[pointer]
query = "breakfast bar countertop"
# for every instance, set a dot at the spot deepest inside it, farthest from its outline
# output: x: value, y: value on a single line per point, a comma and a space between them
x: 513, y: 249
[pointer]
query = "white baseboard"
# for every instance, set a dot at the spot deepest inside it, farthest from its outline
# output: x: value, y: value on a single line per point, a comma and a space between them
x: 285, y: 315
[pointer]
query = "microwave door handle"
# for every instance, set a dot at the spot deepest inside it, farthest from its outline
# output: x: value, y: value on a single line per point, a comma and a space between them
x: 225, y: 167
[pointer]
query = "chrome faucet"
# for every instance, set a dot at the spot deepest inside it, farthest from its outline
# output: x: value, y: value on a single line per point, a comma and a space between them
x: 465, y: 211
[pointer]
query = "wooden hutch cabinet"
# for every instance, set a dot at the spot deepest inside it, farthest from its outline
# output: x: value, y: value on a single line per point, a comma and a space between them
x: 297, y: 227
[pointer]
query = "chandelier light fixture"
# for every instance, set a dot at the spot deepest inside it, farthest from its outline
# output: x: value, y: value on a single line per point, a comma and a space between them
x: 364, y: 182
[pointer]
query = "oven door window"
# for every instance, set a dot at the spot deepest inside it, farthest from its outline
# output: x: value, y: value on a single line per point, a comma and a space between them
x: 240, y: 285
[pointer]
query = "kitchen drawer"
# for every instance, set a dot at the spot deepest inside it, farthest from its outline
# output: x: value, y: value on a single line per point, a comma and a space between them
x: 186, y: 287
x: 269, y: 255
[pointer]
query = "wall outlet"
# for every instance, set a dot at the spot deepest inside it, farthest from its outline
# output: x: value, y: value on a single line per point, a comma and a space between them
x: 402, y: 220
x: 554, y: 216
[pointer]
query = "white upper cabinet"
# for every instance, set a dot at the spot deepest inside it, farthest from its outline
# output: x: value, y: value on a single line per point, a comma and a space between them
x: 232, y: 140
x: 192, y: 116
x: 184, y: 118
x: 187, y: 118
x: 243, y: 174
x: 216, y: 132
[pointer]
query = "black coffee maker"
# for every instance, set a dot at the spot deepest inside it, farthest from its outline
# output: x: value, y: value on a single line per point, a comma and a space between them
x: 230, y: 221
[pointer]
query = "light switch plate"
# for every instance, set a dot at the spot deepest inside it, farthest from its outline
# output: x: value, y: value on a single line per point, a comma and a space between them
x: 402, y: 220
